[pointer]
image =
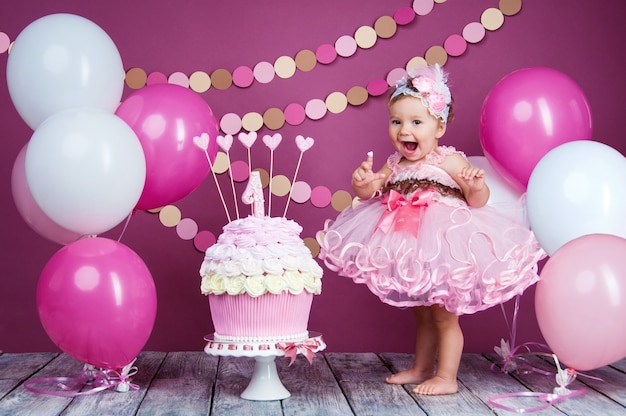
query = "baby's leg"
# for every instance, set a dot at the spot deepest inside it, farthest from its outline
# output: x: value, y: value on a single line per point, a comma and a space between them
x: 425, y: 350
x: 450, y: 350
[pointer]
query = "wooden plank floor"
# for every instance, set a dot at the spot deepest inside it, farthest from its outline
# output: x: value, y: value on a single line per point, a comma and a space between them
x: 194, y: 383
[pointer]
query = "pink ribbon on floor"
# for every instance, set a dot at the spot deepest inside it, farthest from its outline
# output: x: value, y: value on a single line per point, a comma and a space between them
x: 306, y: 348
x: 404, y: 214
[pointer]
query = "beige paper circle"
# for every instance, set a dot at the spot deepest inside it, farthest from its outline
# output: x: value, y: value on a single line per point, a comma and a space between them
x: 306, y: 60
x: 170, y: 216
x: 341, y: 200
x: 510, y: 7
x: 265, y: 177
x: 385, y: 27
x: 415, y: 63
x: 492, y: 19
x: 312, y: 245
x: 199, y: 81
x: 336, y: 102
x: 285, y: 67
x: 252, y: 121
x: 440, y: 1
x: 136, y: 78
x: 220, y: 165
x: 436, y: 55
x: 280, y: 185
x: 274, y: 118
x: 221, y: 79
x: 357, y: 95
x: 365, y: 37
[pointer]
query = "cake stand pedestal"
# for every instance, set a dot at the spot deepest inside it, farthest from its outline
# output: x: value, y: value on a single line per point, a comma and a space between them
x: 265, y: 383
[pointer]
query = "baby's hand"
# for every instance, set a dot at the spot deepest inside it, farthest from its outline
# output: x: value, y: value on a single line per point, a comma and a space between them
x: 364, y: 174
x: 473, y: 177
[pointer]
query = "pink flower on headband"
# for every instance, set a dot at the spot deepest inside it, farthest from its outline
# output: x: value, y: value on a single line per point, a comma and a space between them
x: 437, y: 102
x: 423, y: 84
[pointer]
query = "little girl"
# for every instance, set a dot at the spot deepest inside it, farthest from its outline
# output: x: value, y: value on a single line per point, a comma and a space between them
x: 423, y: 237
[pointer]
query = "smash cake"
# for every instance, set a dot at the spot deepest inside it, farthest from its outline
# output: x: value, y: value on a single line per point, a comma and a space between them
x: 259, y: 276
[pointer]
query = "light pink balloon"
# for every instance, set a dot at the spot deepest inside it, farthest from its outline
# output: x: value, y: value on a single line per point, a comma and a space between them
x: 97, y: 302
x: 30, y: 210
x: 580, y: 301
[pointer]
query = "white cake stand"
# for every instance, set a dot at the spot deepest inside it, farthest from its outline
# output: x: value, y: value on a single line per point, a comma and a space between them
x: 265, y: 383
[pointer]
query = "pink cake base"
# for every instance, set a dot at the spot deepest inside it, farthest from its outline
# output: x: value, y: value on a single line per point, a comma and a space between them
x: 264, y: 316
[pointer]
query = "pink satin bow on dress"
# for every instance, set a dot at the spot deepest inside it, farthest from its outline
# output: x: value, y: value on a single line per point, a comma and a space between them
x: 405, y: 215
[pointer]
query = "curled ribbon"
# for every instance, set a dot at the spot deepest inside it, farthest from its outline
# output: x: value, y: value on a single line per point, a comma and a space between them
x: 99, y: 380
x: 398, y: 213
x: 307, y: 348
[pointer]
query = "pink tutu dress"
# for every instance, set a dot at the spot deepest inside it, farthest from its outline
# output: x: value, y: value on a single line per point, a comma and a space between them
x: 419, y: 244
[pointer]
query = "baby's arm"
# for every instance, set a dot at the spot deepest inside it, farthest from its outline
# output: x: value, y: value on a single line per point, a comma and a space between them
x: 365, y: 182
x: 471, y: 179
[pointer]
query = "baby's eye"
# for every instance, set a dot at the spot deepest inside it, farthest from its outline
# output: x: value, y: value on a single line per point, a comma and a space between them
x: 395, y: 122
x: 416, y: 122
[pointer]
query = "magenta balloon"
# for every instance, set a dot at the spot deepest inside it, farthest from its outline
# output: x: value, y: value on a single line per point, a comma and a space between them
x: 166, y: 118
x: 580, y: 301
x: 97, y: 302
x: 528, y: 113
x: 29, y: 209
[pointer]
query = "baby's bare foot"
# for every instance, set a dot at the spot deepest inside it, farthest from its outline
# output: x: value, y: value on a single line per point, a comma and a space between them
x: 437, y: 386
x: 411, y: 376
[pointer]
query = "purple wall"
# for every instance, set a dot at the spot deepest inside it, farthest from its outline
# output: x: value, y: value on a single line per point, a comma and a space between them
x: 585, y: 41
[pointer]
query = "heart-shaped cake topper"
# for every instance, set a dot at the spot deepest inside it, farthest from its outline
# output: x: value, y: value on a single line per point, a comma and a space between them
x: 202, y: 141
x: 272, y: 141
x: 225, y: 142
x: 247, y: 139
x: 304, y: 144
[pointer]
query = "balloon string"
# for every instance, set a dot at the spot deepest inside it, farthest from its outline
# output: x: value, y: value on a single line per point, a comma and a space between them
x: 125, y: 225
x: 217, y: 185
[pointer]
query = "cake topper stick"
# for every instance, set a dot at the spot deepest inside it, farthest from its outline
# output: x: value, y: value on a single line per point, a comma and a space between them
x: 253, y: 194
x: 202, y: 142
x: 248, y: 139
x: 304, y: 145
x: 272, y: 142
x: 225, y: 142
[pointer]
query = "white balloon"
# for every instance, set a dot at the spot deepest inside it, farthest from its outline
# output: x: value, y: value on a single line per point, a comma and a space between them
x: 576, y: 189
x: 500, y: 190
x: 62, y: 61
x: 86, y: 169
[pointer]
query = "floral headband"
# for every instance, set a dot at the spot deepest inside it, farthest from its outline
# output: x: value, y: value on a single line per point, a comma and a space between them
x: 429, y: 85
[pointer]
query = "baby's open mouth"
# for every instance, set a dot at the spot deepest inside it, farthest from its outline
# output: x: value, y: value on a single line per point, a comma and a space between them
x: 410, y: 146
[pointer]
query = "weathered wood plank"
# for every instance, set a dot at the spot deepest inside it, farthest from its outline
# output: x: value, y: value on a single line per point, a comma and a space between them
x: 362, y: 379
x: 23, y: 402
x: 620, y: 365
x: 111, y: 402
x: 462, y: 403
x: 233, y: 376
x: 15, y: 368
x: 183, y: 385
x: 314, y: 390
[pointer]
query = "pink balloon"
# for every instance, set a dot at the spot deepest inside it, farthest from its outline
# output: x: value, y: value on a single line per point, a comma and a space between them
x: 580, y: 301
x: 526, y: 114
x: 97, y: 302
x: 166, y: 118
x: 30, y: 210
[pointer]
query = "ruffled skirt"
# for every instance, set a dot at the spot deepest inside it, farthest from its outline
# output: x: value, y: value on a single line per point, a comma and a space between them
x: 465, y: 259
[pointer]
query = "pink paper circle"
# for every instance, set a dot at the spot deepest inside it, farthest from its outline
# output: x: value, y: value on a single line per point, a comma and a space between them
x: 240, y: 170
x: 4, y: 42
x: 404, y: 16
x: 187, y: 229
x: 315, y: 109
x: 156, y: 78
x: 243, y: 76
x: 264, y: 72
x: 326, y: 54
x: 423, y: 7
x: 455, y: 45
x: 230, y: 123
x: 377, y: 87
x: 179, y: 78
x: 474, y: 32
x: 294, y: 114
x: 346, y: 46
x: 395, y: 75
x: 203, y: 240
x: 300, y: 192
x: 320, y: 196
